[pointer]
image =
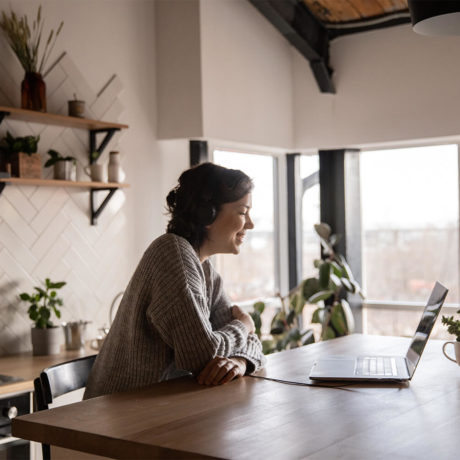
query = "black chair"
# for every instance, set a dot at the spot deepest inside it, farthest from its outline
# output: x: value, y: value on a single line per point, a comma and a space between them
x: 58, y: 380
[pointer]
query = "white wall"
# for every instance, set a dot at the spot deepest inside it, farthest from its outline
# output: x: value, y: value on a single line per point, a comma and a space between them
x: 178, y: 47
x: 46, y: 231
x: 246, y: 74
x: 392, y: 85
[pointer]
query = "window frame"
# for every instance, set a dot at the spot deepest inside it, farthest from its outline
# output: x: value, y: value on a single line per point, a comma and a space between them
x: 279, y: 230
x: 448, y: 308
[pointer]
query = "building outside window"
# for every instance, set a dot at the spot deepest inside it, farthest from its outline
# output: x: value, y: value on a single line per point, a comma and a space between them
x: 252, y: 274
x: 410, y: 238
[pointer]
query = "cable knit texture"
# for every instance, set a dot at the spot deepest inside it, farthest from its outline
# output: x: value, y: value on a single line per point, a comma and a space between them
x: 173, y: 319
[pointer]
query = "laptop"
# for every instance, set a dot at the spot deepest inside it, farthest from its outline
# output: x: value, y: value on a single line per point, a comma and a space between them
x: 384, y: 368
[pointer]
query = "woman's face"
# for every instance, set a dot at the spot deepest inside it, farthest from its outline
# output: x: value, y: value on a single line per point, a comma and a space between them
x: 226, y: 234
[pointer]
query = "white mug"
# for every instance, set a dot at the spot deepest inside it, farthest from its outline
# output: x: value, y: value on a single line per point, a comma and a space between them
x: 96, y: 172
x: 96, y: 344
x: 457, y: 351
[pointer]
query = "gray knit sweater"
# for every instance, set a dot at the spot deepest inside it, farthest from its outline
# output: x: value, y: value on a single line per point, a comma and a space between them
x: 173, y: 319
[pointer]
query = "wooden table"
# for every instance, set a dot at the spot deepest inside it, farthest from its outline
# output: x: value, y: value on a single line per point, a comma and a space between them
x: 28, y: 367
x: 254, y: 418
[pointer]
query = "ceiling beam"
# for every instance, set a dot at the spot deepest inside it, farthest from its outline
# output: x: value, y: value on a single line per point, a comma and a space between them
x: 298, y: 25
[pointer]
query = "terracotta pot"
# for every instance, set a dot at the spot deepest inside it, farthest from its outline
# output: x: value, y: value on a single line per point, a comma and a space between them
x: 46, y: 341
x: 33, y: 92
x: 26, y: 166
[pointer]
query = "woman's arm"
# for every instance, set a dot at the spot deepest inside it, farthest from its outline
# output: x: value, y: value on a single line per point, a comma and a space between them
x: 221, y: 314
x: 179, y: 310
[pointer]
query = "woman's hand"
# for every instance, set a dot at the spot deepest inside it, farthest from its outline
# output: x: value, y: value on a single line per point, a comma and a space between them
x: 221, y: 370
x: 244, y: 317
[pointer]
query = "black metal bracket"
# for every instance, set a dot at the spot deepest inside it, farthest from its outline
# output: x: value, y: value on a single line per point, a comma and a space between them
x: 2, y: 186
x: 3, y: 114
x: 96, y: 212
x: 109, y: 132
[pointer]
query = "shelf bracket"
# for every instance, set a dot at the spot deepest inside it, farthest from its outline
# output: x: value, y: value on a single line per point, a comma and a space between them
x: 109, y: 132
x: 95, y: 213
x: 3, y: 115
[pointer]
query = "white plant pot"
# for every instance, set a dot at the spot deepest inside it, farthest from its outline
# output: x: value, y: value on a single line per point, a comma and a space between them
x: 65, y: 170
x: 46, y: 341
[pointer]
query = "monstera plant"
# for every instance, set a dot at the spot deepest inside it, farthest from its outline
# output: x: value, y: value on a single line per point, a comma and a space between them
x: 327, y: 291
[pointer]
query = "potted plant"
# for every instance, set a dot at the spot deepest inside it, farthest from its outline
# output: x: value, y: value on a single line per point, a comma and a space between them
x: 46, y: 337
x: 64, y: 167
x: 25, y: 43
x: 453, y: 327
x: 326, y: 290
x: 20, y: 153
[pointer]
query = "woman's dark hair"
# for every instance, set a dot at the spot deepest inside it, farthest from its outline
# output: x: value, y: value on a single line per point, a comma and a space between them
x: 195, y: 202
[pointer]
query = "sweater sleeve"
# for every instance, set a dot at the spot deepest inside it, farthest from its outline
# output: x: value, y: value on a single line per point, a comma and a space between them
x: 221, y: 314
x: 179, y: 311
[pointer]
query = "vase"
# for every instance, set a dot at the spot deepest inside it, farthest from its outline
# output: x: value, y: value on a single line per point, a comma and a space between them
x: 115, y: 172
x: 33, y: 92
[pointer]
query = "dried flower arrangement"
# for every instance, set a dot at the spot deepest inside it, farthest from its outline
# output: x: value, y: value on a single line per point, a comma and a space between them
x: 25, y: 42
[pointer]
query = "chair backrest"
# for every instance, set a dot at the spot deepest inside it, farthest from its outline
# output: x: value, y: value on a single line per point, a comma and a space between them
x: 62, y: 378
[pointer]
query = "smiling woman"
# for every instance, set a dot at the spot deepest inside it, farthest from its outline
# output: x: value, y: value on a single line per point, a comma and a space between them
x: 175, y: 318
x: 253, y: 275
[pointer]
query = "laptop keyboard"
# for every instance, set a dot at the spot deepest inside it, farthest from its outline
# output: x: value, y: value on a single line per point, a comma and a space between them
x: 376, y: 365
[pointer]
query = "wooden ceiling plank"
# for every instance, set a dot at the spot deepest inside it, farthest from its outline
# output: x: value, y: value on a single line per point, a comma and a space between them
x: 332, y: 10
x: 393, y: 6
x: 367, y: 9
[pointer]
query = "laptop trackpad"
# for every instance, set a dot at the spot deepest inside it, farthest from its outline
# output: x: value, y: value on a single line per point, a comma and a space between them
x: 334, y: 366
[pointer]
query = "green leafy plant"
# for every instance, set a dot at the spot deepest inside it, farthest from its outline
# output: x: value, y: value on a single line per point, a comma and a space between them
x: 327, y: 290
x: 286, y: 330
x: 25, y: 42
x: 43, y: 302
x: 27, y: 144
x: 453, y: 326
x: 56, y: 157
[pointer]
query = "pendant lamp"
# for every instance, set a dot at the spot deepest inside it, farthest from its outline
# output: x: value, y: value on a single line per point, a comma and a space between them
x: 435, y: 17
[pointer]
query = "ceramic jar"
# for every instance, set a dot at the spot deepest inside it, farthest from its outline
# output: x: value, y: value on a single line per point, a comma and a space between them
x: 115, y: 173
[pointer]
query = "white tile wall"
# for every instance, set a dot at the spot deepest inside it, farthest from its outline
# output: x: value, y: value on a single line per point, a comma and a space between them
x: 46, y: 231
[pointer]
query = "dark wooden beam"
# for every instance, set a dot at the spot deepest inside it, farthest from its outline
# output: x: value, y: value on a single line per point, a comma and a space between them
x: 198, y: 151
x: 298, y: 25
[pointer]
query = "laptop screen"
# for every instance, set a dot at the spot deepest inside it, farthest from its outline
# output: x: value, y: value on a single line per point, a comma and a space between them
x: 432, y: 309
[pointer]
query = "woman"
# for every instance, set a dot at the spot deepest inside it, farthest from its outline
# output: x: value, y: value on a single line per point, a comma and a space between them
x: 174, y: 318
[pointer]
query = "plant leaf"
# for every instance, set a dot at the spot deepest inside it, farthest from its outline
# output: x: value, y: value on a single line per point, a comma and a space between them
x: 328, y: 333
x: 323, y: 230
x: 324, y: 273
x: 310, y: 287
x: 338, y: 320
x: 321, y: 295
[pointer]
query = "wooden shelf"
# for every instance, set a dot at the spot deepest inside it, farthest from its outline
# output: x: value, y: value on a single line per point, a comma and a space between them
x: 59, y: 120
x: 62, y: 183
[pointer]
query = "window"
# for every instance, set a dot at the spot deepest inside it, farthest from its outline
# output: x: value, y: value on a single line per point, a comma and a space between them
x: 251, y: 274
x: 309, y: 172
x: 409, y: 205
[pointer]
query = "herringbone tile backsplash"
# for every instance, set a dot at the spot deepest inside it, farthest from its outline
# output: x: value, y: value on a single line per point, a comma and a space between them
x: 46, y: 231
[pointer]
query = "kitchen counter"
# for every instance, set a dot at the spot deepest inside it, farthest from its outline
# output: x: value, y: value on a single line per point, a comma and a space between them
x: 28, y: 367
